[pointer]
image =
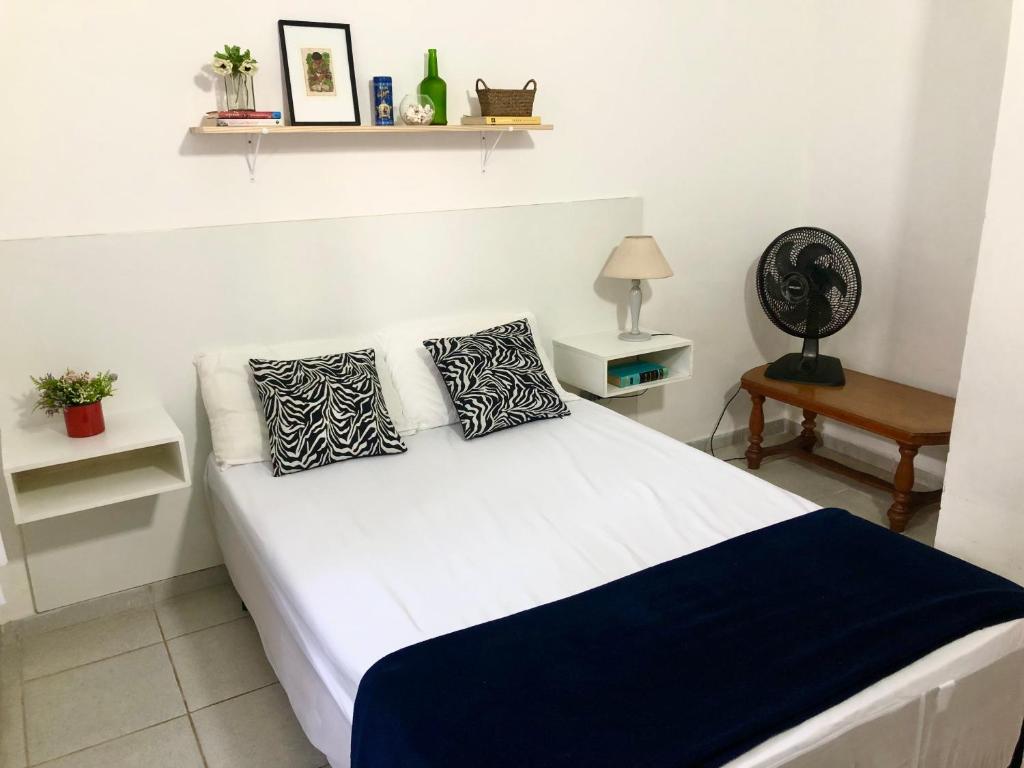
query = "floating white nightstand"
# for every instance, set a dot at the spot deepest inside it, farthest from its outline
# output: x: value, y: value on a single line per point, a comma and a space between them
x: 582, y: 361
x: 47, y: 473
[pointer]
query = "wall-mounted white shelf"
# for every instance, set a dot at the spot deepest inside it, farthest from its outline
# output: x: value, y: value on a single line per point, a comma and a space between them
x: 583, y: 361
x: 254, y: 136
x: 47, y: 473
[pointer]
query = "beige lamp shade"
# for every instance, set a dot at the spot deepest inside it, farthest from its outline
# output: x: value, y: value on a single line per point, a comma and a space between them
x: 638, y: 257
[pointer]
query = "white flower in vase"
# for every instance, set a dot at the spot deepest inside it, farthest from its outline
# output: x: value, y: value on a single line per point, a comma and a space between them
x: 237, y: 68
x: 222, y: 67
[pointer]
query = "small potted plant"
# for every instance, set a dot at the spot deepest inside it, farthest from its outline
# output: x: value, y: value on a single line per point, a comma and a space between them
x: 78, y: 396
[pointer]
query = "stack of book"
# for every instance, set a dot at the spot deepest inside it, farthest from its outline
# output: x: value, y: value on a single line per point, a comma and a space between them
x: 632, y: 374
x: 498, y: 120
x: 242, y: 118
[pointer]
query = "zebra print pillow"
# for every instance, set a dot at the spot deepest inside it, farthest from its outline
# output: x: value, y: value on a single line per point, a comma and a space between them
x: 496, y: 379
x: 321, y: 410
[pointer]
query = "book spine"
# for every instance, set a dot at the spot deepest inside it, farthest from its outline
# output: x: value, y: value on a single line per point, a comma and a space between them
x: 232, y: 123
x: 498, y: 120
x: 631, y: 378
x: 493, y: 120
x: 244, y: 114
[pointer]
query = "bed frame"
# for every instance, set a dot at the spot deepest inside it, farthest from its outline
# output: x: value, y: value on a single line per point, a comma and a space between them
x: 979, y: 711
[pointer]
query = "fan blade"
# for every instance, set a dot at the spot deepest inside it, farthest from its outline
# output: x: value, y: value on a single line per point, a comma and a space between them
x: 819, y: 314
x: 809, y: 255
x: 774, y: 290
x: 793, y: 315
x: 826, y: 278
x: 783, y: 258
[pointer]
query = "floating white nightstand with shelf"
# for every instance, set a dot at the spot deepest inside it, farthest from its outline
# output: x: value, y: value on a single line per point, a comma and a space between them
x: 582, y: 361
x: 47, y: 473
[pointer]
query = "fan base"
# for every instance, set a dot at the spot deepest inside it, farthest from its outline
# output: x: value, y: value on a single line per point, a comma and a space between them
x: 824, y: 370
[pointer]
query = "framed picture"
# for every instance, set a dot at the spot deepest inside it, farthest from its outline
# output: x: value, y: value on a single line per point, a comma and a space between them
x: 319, y: 73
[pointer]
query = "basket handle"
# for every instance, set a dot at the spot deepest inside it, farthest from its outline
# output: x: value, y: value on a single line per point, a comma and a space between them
x: 531, y: 80
x: 480, y: 80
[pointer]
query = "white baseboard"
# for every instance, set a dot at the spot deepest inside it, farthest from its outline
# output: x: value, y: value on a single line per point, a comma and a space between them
x: 734, y: 443
x: 737, y: 438
x: 107, y: 605
x: 884, y: 464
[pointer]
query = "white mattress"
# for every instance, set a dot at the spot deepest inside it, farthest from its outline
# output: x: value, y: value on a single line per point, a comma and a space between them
x: 365, y: 557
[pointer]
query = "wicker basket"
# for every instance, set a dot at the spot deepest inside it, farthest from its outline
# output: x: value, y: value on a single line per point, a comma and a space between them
x: 506, y: 102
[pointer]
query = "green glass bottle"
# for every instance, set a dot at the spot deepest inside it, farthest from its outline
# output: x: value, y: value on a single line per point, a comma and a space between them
x: 434, y: 87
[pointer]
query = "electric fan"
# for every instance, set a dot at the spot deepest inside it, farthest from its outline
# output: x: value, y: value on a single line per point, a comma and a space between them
x: 809, y: 286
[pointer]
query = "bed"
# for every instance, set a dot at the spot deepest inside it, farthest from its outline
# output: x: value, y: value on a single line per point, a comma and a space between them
x: 343, y: 565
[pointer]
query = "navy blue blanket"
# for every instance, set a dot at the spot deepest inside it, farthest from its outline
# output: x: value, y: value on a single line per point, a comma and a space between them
x: 689, y: 663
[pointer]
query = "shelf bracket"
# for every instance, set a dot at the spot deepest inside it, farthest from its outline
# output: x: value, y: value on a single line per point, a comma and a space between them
x: 252, y: 152
x: 485, y: 152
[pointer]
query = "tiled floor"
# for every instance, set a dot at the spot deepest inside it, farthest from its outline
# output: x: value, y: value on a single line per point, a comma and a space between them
x: 833, y: 490
x: 181, y: 684
x: 185, y: 684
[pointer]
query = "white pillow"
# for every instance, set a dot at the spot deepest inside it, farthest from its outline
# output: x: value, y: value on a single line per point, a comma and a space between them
x: 237, y: 425
x: 423, y: 394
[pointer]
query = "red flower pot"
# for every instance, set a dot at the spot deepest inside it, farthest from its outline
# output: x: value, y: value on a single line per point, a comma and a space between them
x: 84, y: 420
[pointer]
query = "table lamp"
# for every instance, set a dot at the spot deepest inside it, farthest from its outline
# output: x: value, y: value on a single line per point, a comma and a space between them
x: 637, y: 258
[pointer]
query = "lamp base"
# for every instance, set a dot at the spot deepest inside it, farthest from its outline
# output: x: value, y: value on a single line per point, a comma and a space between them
x: 634, y: 336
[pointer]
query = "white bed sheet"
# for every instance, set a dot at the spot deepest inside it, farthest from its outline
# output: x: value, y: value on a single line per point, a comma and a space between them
x: 363, y: 558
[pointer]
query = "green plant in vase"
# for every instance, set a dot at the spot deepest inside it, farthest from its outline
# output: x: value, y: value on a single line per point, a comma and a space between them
x: 237, y: 68
x: 435, y: 88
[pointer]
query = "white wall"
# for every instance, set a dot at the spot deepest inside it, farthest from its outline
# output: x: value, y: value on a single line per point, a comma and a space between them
x: 899, y: 116
x: 103, y: 146
x: 718, y: 114
x: 982, y: 516
x: 210, y: 288
x: 676, y: 104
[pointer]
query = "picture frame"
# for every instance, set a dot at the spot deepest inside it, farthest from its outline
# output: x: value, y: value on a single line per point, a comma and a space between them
x: 319, y: 72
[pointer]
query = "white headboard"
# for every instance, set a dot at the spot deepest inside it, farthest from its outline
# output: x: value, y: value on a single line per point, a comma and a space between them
x: 142, y: 304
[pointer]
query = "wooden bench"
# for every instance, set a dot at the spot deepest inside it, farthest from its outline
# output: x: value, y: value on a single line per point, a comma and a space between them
x: 911, y: 417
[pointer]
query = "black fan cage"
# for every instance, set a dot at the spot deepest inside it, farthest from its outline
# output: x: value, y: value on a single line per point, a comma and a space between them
x: 832, y: 275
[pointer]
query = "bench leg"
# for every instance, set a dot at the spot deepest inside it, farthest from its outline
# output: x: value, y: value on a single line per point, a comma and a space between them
x: 756, y: 431
x: 808, y: 438
x: 903, y: 484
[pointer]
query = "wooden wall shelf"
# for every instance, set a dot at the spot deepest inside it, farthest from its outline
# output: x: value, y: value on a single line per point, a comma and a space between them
x: 254, y: 136
x: 379, y: 130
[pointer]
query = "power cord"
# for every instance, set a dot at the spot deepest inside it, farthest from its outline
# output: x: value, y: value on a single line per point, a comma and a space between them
x: 621, y: 397
x: 711, y: 440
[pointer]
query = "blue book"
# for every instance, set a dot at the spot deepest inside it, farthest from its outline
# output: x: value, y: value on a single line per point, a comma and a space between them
x: 632, y: 374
